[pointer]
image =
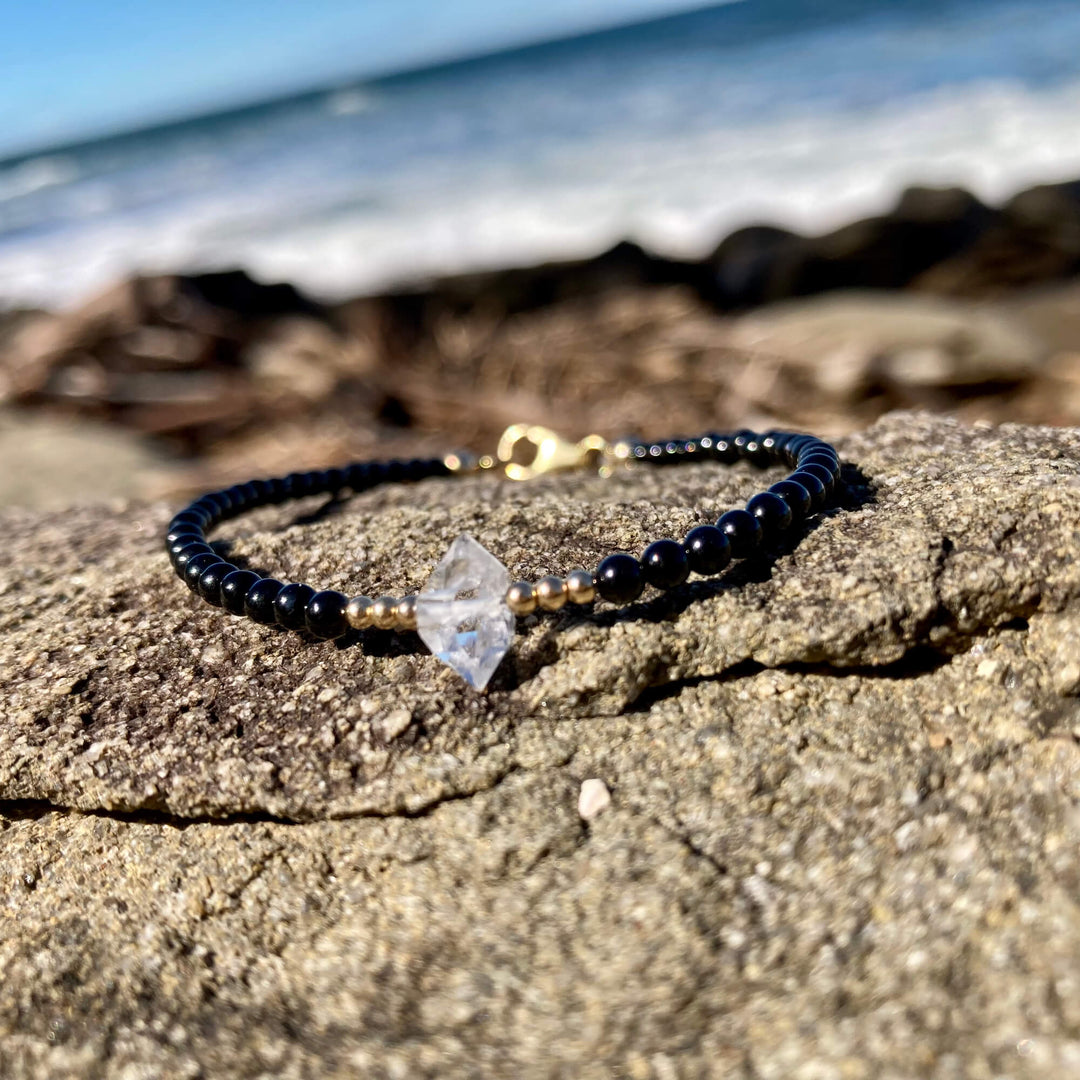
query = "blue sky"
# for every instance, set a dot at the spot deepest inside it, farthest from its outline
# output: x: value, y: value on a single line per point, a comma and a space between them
x: 71, y: 69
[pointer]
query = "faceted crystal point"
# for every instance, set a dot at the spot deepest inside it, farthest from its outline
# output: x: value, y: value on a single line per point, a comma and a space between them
x: 461, y: 613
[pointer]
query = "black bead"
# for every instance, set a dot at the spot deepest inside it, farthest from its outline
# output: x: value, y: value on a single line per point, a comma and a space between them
x: 795, y: 495
x: 813, y: 484
x: 186, y: 530
x: 794, y: 444
x: 325, y: 614
x: 182, y: 543
x: 724, y: 450
x: 196, y: 565
x: 289, y: 605
x: 190, y: 517
x: 664, y: 564
x: 357, y: 476
x: 297, y: 485
x: 182, y: 558
x: 259, y: 600
x: 772, y: 512
x: 317, y: 482
x: 708, y: 550
x: 822, y: 473
x: 234, y: 587
x: 827, y: 461
x: 748, y: 445
x: 335, y: 480
x: 210, y: 581
x: 619, y: 578
x: 742, y: 530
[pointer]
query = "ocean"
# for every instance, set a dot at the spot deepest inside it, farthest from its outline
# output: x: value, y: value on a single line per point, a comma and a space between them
x: 671, y: 133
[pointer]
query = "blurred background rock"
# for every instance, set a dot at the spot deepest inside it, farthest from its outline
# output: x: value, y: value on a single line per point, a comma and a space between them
x: 764, y: 212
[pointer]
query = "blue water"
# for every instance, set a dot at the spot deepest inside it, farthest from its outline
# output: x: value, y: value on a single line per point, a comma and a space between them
x: 799, y: 113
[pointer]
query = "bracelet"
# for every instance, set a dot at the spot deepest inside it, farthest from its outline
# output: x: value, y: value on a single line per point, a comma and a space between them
x: 465, y: 612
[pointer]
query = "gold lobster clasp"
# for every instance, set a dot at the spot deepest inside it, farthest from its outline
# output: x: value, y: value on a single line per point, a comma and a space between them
x: 528, y: 450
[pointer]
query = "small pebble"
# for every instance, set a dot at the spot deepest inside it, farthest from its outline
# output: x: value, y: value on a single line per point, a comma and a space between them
x: 593, y: 799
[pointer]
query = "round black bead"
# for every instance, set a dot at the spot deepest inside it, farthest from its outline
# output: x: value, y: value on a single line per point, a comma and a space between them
x: 210, y: 581
x: 742, y: 530
x: 183, y: 542
x: 181, y: 558
x: 795, y: 495
x: 259, y: 600
x: 186, y: 531
x: 748, y: 444
x: 196, y: 565
x: 724, y: 450
x: 708, y: 550
x: 356, y: 476
x: 619, y: 578
x: 325, y: 614
x: 290, y: 603
x: 827, y: 461
x: 297, y: 485
x: 813, y: 484
x: 190, y: 517
x: 664, y: 564
x: 772, y: 513
x: 234, y: 587
x: 822, y: 473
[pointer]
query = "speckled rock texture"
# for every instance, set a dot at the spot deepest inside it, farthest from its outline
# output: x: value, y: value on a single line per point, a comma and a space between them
x: 842, y: 839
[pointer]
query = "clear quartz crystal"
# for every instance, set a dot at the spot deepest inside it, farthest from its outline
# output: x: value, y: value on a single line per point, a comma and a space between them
x: 461, y: 613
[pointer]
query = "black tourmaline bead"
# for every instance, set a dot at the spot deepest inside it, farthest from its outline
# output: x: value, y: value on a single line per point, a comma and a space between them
x: 210, y: 581
x: 619, y: 578
x: 823, y: 474
x: 664, y: 564
x: 290, y: 604
x: 234, y: 587
x: 724, y: 450
x: 190, y: 517
x: 196, y: 565
x: 182, y: 558
x: 318, y: 482
x: 795, y: 495
x: 708, y: 550
x: 259, y: 601
x: 325, y: 614
x: 742, y: 530
x: 813, y: 484
x: 794, y: 444
x: 333, y: 480
x: 297, y: 485
x: 826, y: 461
x: 184, y: 541
x: 748, y: 444
x: 356, y: 476
x: 773, y: 514
x: 187, y: 531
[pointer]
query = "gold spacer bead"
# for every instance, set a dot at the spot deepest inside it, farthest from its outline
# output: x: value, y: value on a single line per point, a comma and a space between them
x: 551, y: 592
x: 580, y: 587
x: 521, y: 598
x: 384, y: 612
x: 358, y: 612
x: 406, y: 613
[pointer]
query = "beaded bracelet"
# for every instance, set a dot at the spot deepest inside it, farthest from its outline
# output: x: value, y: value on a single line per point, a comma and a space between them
x: 465, y: 613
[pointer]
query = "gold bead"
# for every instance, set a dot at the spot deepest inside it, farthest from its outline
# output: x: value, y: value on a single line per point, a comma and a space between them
x: 384, y: 612
x: 521, y: 598
x: 551, y: 592
x: 580, y: 587
x: 406, y: 613
x: 358, y: 612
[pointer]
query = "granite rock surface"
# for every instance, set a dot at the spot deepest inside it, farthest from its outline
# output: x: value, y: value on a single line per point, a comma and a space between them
x: 841, y: 839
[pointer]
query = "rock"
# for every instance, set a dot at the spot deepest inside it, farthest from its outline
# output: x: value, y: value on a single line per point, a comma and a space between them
x: 904, y: 348
x: 926, y: 227
x: 845, y: 841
